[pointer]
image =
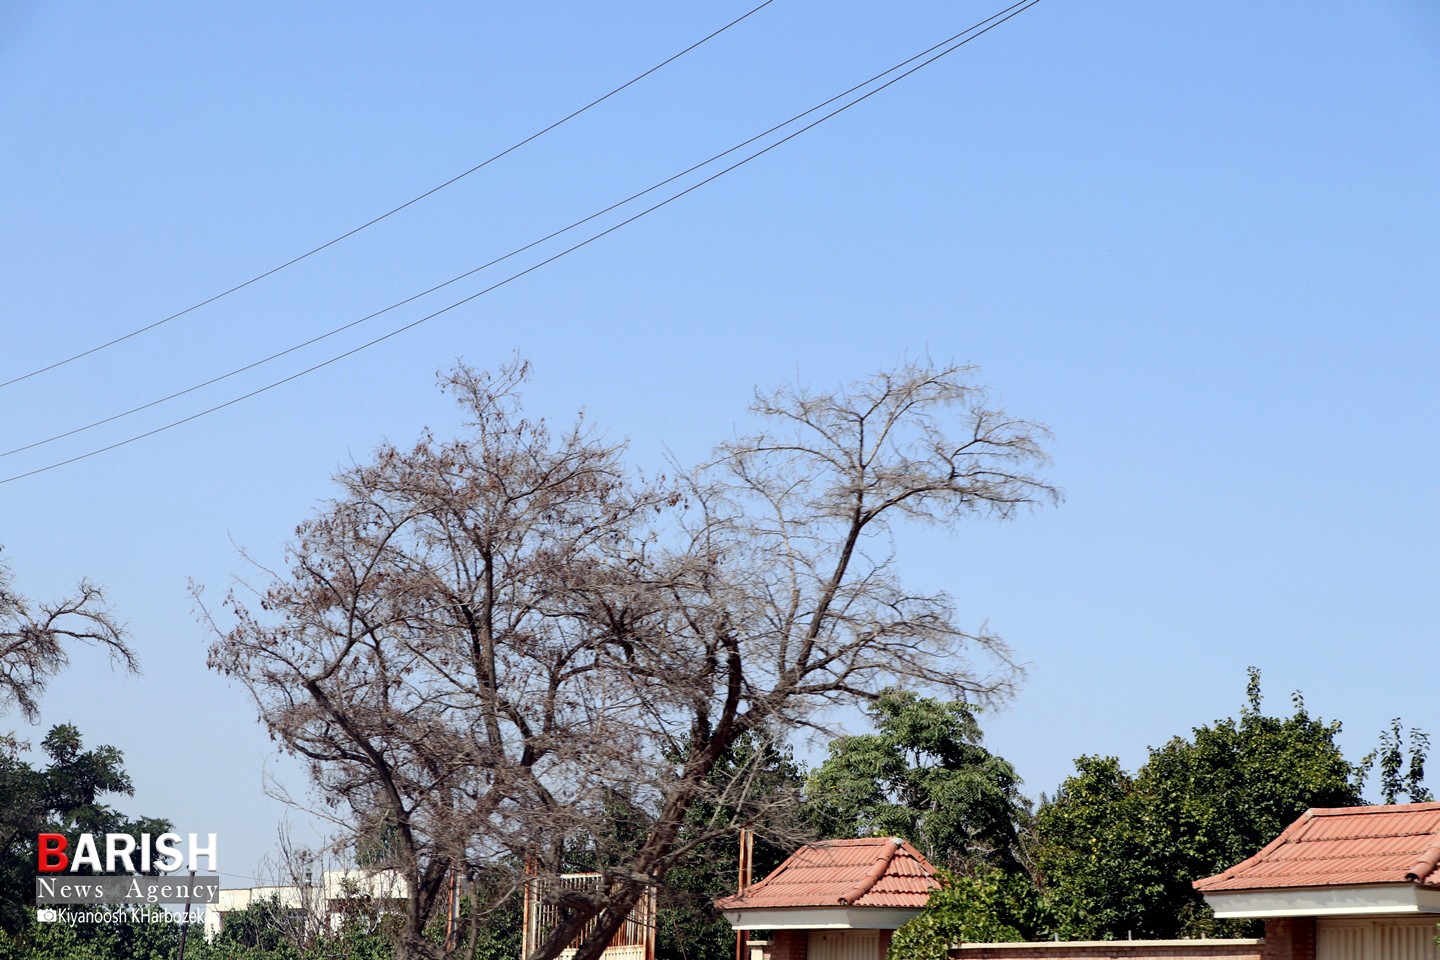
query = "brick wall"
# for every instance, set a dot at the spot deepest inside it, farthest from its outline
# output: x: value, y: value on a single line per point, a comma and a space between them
x: 1289, y: 938
x: 1127, y: 950
x: 790, y: 945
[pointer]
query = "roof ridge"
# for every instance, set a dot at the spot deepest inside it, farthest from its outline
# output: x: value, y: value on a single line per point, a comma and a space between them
x: 1425, y: 865
x: 841, y: 875
x: 1388, y: 835
x: 876, y: 872
x: 847, y: 842
x: 1373, y: 855
x: 1377, y: 808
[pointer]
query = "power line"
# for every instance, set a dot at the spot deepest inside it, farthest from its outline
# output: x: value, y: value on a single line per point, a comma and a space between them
x: 387, y: 214
x: 946, y: 47
x: 515, y: 252
x: 953, y: 43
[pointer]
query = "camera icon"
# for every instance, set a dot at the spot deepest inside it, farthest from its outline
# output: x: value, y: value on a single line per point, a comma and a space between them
x: 46, y: 915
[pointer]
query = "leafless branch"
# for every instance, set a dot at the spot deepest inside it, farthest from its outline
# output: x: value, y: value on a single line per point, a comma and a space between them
x: 36, y: 639
x: 487, y: 643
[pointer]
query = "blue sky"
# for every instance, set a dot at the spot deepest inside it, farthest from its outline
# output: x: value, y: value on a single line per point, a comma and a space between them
x: 1197, y: 240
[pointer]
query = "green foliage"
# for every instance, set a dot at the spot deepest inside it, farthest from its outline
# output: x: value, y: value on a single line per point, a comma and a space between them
x: 1117, y: 854
x: 268, y: 930
x: 151, y: 936
x: 1399, y: 773
x: 688, y: 927
x: 923, y: 775
x: 251, y: 934
x: 255, y: 929
x: 63, y: 797
x: 1094, y: 861
x: 263, y: 931
x: 991, y: 908
x: 764, y: 774
x: 359, y: 939
x: 498, y: 933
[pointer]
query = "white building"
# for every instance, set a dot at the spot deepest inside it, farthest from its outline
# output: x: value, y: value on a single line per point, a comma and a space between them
x: 339, y: 893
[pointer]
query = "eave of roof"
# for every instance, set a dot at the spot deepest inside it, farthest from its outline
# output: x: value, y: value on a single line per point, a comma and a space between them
x: 1343, y: 847
x: 1368, y: 900
x: 833, y: 917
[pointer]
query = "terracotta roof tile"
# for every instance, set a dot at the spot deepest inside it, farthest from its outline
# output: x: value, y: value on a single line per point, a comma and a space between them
x: 1344, y: 846
x: 871, y: 872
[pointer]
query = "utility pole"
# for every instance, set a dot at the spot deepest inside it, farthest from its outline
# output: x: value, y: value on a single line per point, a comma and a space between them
x: 747, y: 857
x: 185, y: 920
x: 449, y: 905
x: 452, y: 910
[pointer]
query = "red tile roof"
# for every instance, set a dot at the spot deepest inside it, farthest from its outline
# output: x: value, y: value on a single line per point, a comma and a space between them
x: 1344, y: 846
x: 872, y: 872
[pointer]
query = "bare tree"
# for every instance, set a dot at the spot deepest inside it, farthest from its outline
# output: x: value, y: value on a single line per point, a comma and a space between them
x: 483, y: 643
x: 414, y: 656
x: 35, y: 637
x: 296, y: 909
x: 314, y: 901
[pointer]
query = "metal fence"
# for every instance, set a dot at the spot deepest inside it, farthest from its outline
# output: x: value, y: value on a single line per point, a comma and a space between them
x: 634, y: 940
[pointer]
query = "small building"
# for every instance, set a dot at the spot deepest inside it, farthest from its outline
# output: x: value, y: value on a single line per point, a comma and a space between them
x: 1343, y: 883
x: 836, y: 900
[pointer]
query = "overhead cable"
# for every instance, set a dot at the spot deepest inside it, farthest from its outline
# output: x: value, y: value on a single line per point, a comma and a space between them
x: 387, y: 214
x: 498, y: 260
x: 944, y: 48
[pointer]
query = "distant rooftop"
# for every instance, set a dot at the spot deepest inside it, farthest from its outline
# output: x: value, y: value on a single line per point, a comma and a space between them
x: 1344, y: 846
x: 871, y: 872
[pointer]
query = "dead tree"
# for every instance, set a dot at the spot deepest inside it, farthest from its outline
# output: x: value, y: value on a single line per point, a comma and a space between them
x: 35, y: 637
x: 775, y: 596
x: 482, y: 641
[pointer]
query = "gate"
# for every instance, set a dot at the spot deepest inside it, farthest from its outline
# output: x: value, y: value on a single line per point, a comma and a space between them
x: 634, y: 940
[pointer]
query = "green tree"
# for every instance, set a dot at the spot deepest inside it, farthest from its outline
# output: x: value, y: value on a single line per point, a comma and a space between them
x: 923, y: 775
x: 149, y: 936
x: 1095, y: 875
x: 688, y: 927
x: 993, y: 908
x: 63, y: 797
x: 497, y: 936
x: 36, y: 639
x: 266, y: 930
x: 255, y: 930
x: 1117, y: 854
x: 1401, y: 771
